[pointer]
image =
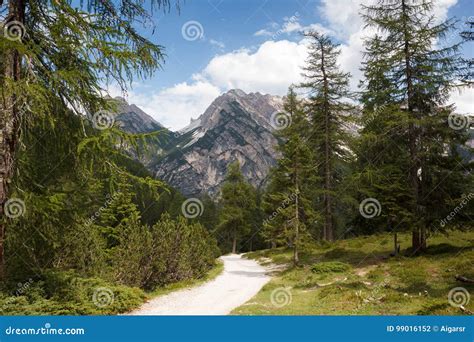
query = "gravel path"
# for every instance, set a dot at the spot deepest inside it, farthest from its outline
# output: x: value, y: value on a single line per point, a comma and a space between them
x: 240, y: 281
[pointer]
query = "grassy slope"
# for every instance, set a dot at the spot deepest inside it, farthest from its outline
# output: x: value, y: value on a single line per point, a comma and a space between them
x: 371, y: 283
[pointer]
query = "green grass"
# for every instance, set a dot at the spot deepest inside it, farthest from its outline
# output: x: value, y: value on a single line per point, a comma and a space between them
x: 65, y: 293
x: 358, y: 277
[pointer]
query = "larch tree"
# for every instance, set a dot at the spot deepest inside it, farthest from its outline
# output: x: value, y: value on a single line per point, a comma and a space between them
x: 290, y: 196
x: 417, y: 77
x: 327, y: 106
x: 65, y: 52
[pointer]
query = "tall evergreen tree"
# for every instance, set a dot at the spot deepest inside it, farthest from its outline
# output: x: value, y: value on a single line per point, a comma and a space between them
x: 64, y: 51
x: 237, y: 206
x: 328, y: 89
x: 292, y: 183
x: 418, y: 77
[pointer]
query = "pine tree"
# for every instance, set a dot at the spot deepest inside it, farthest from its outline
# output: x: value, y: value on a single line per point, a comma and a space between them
x: 64, y: 51
x: 408, y: 80
x: 327, y: 106
x: 289, y: 196
x: 237, y: 206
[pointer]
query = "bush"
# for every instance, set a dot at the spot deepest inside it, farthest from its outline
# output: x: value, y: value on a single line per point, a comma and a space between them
x: 61, y: 293
x: 180, y: 250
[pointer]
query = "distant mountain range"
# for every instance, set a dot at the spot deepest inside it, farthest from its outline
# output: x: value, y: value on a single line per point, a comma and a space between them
x: 235, y: 127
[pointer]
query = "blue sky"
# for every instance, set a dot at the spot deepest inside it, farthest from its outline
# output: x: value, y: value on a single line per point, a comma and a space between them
x: 254, y: 45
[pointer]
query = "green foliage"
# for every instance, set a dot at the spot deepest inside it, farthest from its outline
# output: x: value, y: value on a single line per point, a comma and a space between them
x: 330, y: 116
x: 87, y: 217
x: 288, y: 200
x: 180, y: 250
x: 408, y: 77
x: 237, y: 208
x: 72, y: 49
x: 66, y: 293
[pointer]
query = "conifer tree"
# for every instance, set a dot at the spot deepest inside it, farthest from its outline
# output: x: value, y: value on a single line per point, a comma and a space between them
x: 237, y: 206
x: 289, y: 198
x: 408, y: 80
x: 328, y: 89
x: 65, y: 51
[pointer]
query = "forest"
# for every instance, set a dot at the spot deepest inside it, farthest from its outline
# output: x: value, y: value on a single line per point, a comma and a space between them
x: 86, y: 229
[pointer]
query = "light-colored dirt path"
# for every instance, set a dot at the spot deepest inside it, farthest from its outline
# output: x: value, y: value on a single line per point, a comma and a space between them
x: 240, y: 281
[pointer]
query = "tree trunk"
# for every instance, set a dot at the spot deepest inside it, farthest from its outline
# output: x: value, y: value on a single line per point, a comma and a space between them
x: 234, y: 245
x: 418, y: 240
x: 9, y: 123
x: 328, y: 233
x: 395, y: 244
x: 296, y: 258
x: 418, y: 235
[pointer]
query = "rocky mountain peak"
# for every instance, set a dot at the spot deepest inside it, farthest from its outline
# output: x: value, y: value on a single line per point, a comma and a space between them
x: 134, y: 120
x: 259, y: 106
x: 235, y: 127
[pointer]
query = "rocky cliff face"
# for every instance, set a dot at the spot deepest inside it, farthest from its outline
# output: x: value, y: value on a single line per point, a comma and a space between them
x: 235, y: 127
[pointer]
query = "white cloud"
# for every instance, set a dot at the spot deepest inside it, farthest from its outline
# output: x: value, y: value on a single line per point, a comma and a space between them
x: 342, y: 16
x: 271, y: 69
x: 175, y: 106
x: 263, y: 32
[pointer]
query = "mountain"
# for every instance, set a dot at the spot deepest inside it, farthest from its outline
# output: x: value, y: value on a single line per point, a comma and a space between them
x: 134, y: 120
x: 235, y: 127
